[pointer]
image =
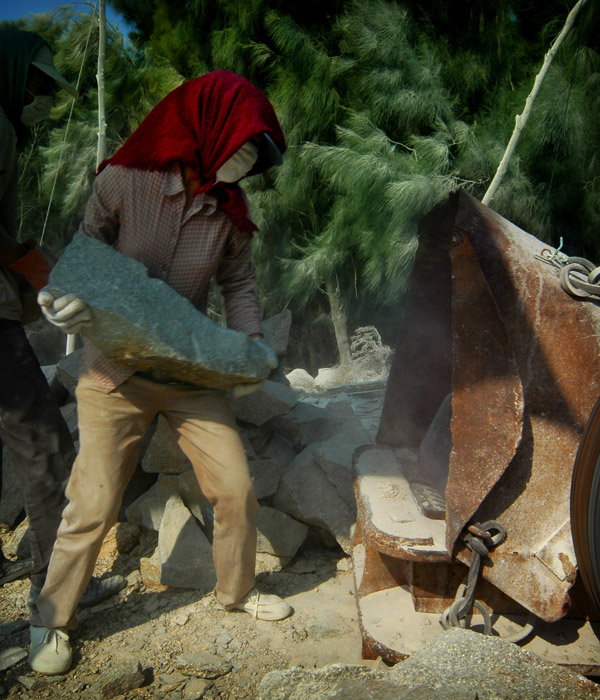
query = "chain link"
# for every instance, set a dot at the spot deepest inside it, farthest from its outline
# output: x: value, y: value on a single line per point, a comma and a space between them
x: 479, y: 538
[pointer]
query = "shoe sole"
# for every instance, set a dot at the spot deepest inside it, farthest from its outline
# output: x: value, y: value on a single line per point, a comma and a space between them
x: 274, y: 617
x: 49, y: 670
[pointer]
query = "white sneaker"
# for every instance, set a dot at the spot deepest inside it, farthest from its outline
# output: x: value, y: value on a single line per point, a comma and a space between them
x: 264, y: 606
x: 50, y: 651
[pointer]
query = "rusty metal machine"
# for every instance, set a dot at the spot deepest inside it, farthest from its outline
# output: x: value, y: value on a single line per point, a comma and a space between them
x: 478, y: 503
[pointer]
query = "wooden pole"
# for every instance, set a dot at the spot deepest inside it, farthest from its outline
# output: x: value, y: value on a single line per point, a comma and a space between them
x: 101, y: 151
x: 521, y: 119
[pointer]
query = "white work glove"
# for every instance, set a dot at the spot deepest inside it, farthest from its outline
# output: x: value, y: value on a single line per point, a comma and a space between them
x: 248, y: 388
x: 65, y: 311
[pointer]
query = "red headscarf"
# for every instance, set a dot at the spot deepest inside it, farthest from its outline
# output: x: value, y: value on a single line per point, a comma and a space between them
x: 201, y: 124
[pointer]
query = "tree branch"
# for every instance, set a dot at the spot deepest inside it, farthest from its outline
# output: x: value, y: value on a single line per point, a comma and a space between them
x: 521, y: 119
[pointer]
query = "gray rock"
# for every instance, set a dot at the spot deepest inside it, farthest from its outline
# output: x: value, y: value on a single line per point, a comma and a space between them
x: 163, y: 455
x: 495, y: 669
x: 69, y: 413
x: 458, y: 665
x: 188, y: 488
x: 424, y: 692
x: 248, y: 447
x: 279, y: 448
x: 13, y: 626
x: 118, y: 679
x: 143, y: 323
x: 265, y: 475
x: 276, y: 331
x: 195, y: 688
x: 270, y: 400
x: 67, y: 371
x: 317, y: 487
x: 308, y: 495
x: 58, y: 391
x: 335, y: 459
x: 11, y: 657
x: 139, y: 483
x: 40, y: 684
x: 300, y: 379
x: 306, y: 424
x: 255, y: 437
x: 279, y: 534
x: 11, y: 500
x: 336, y: 682
x: 184, y: 553
x: 149, y: 508
x: 202, y: 664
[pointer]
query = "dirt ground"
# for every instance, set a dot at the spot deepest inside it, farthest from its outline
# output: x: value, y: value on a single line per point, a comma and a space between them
x: 158, y: 627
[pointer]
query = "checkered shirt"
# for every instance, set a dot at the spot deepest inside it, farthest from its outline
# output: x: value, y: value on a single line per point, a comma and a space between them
x: 142, y: 215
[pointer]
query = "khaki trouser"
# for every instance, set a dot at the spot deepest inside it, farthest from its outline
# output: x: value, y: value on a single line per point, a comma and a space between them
x: 111, y: 427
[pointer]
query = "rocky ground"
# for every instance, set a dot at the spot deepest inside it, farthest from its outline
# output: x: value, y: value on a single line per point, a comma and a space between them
x: 186, y: 647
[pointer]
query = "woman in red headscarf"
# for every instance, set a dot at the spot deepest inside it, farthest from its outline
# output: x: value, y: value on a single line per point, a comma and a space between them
x: 170, y: 197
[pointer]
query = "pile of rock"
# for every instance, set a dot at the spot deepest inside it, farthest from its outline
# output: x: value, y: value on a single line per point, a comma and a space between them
x: 299, y: 455
x: 457, y: 665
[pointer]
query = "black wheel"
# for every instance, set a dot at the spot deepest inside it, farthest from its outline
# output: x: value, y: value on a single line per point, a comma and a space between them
x: 585, y: 507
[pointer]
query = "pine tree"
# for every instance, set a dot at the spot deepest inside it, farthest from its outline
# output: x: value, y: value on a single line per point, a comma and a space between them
x: 58, y: 166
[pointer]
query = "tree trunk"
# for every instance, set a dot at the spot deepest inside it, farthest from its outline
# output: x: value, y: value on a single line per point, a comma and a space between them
x: 339, y: 319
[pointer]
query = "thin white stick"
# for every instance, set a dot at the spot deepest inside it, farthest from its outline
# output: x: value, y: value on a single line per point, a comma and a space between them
x: 521, y: 119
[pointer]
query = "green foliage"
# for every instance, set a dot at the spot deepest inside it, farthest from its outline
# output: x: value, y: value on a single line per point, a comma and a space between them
x: 59, y: 163
x: 387, y: 106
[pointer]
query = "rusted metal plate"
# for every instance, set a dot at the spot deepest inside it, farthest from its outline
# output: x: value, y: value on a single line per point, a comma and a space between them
x: 557, y: 350
x: 389, y: 516
x: 420, y: 376
x: 487, y: 402
x: 522, y: 359
x: 392, y: 629
x: 583, y: 504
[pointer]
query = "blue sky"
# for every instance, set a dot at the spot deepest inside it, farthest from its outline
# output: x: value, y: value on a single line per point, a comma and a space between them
x: 13, y: 9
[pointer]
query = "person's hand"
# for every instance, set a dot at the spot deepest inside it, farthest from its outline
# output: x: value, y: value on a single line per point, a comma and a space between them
x: 249, y: 387
x: 65, y: 311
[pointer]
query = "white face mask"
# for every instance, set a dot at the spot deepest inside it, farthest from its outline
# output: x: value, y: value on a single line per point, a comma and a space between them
x: 37, y: 110
x: 239, y: 164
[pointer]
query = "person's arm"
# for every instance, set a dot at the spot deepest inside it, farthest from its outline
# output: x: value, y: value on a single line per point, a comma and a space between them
x: 101, y: 218
x: 236, y: 277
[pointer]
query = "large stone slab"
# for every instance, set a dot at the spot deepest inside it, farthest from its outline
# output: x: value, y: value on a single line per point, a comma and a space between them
x: 307, y: 494
x: 276, y: 330
x: 270, y: 400
x: 148, y: 510
x: 184, y: 553
x: 458, y: 665
x: 306, y: 423
x: 495, y: 669
x: 278, y: 537
x: 265, y: 475
x: 163, y: 455
x: 143, y: 323
x: 317, y: 486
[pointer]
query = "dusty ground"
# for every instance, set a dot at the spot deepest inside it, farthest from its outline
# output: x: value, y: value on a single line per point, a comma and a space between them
x: 158, y: 627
